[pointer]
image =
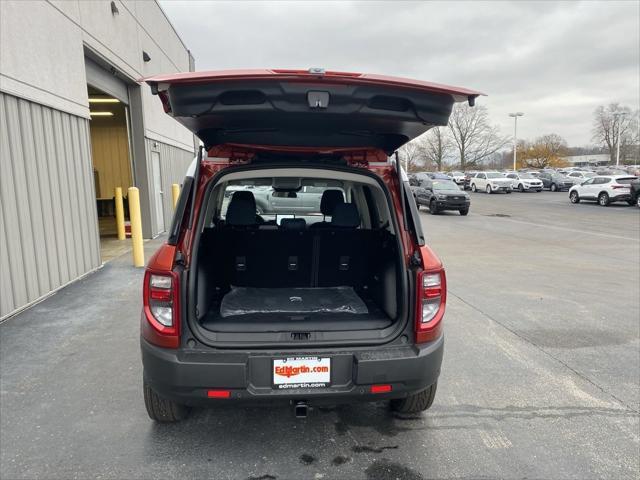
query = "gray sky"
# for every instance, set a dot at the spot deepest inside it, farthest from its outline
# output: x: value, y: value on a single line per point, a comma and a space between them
x: 556, y: 62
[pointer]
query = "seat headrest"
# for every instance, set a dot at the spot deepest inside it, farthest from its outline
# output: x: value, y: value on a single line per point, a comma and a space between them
x: 293, y: 224
x: 242, y: 209
x: 345, y: 215
x: 329, y: 200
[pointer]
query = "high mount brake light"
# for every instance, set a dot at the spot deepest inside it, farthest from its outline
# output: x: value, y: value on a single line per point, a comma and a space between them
x: 431, y: 298
x: 161, y: 309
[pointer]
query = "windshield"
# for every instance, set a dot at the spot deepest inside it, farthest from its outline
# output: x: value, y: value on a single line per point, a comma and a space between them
x: 445, y: 186
x: 494, y: 175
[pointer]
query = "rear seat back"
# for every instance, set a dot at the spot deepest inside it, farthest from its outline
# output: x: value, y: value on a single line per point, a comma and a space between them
x: 293, y: 256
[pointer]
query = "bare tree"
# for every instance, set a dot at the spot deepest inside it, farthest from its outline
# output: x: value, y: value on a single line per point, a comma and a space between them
x: 412, y: 155
x: 607, y: 126
x: 473, y: 136
x: 436, y: 145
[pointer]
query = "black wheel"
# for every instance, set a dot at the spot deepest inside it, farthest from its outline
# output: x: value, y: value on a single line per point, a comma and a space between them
x: 603, y: 199
x: 521, y: 188
x: 509, y: 191
x: 488, y: 189
x: 416, y: 403
x: 163, y: 410
x: 638, y: 201
x: 631, y: 202
x: 464, y: 211
x: 433, y: 209
x: 553, y: 187
x: 574, y: 197
x: 473, y: 188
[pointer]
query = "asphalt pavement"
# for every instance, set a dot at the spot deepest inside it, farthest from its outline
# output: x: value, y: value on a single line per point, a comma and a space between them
x: 540, y: 379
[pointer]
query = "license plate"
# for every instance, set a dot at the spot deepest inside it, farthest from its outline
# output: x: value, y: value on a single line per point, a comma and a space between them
x: 301, y: 372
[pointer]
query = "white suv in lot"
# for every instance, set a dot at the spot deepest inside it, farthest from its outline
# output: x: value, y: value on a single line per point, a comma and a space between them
x: 490, y: 182
x: 524, y: 182
x: 604, y: 189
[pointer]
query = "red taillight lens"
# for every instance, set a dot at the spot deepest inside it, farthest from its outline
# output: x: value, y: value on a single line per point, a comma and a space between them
x: 616, y: 187
x: 431, y: 299
x: 161, y: 308
x: 219, y: 393
x: 385, y: 388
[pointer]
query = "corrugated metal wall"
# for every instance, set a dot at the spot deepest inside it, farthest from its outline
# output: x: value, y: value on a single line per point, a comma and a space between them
x: 173, y: 165
x: 48, y: 222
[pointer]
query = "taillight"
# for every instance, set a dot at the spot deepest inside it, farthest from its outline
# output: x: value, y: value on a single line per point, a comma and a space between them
x: 431, y: 289
x: 161, y: 309
x: 616, y: 187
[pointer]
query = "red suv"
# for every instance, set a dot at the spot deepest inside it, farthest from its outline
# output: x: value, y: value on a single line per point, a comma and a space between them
x: 329, y: 294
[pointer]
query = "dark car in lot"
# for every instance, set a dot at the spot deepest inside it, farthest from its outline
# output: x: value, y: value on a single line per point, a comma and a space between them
x: 340, y: 303
x: 635, y: 192
x: 439, y: 195
x: 555, y: 182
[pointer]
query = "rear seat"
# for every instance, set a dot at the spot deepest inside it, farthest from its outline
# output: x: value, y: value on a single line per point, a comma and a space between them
x: 292, y: 255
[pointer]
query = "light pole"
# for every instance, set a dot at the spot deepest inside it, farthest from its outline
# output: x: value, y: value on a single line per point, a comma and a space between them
x: 515, y: 135
x: 617, y: 116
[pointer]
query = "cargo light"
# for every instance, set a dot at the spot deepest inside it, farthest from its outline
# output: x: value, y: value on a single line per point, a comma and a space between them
x: 161, y: 309
x: 430, y: 305
x: 101, y: 114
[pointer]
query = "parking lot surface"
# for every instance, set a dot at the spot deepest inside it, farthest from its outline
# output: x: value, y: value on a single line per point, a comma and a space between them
x: 540, y: 377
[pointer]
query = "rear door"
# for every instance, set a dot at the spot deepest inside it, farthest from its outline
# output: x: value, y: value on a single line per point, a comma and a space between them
x: 306, y: 109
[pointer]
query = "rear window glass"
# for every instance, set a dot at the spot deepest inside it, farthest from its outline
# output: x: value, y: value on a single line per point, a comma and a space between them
x: 626, y: 180
x: 276, y: 203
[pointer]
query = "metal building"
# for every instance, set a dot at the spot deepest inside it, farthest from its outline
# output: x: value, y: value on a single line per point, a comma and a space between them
x: 74, y: 124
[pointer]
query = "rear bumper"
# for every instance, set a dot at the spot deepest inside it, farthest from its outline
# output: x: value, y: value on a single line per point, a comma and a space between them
x: 185, y: 376
x: 625, y: 197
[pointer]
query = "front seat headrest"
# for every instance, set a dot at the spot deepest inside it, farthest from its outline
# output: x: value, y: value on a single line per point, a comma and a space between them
x: 329, y: 200
x: 242, y: 209
x: 345, y: 215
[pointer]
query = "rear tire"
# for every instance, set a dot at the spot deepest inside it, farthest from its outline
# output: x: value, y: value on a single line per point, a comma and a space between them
x: 488, y: 189
x: 574, y: 197
x: 603, y: 199
x: 553, y: 187
x: 161, y: 409
x: 521, y: 188
x: 416, y: 403
x: 433, y: 209
x: 464, y: 211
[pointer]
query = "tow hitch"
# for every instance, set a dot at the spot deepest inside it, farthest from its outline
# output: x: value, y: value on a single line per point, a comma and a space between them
x: 301, y: 408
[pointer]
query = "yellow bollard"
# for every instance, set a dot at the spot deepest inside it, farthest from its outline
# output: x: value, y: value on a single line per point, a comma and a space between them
x: 136, y: 227
x: 119, y: 214
x: 175, y: 191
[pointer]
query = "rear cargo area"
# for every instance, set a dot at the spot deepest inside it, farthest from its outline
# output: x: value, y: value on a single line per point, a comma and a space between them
x: 277, y: 280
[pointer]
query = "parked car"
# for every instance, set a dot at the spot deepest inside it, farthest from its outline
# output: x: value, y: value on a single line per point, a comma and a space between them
x: 555, y: 182
x: 239, y: 308
x: 437, y: 176
x: 439, y: 195
x: 524, y: 182
x: 457, y: 177
x: 467, y: 178
x: 490, y: 182
x: 577, y: 176
x: 635, y: 192
x: 603, y: 189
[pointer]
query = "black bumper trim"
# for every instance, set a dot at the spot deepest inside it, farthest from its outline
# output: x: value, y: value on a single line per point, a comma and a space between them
x: 185, y: 377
